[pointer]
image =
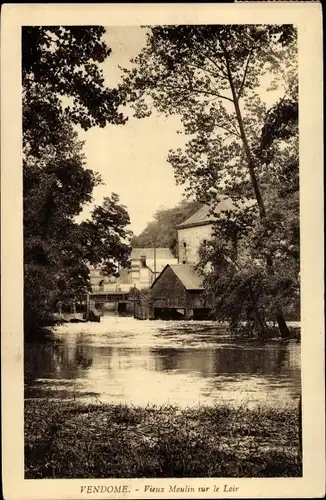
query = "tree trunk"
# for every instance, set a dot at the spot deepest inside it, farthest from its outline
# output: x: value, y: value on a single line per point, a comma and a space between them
x: 261, y: 323
x: 284, y: 331
x: 263, y: 328
x: 260, y: 320
x: 282, y: 326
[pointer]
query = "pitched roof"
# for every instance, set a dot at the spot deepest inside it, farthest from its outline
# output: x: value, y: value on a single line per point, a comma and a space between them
x: 203, y: 215
x: 160, y: 264
x: 161, y: 253
x: 187, y: 274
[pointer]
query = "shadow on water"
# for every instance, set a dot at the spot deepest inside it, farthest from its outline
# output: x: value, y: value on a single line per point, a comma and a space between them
x: 152, y: 362
x: 226, y: 360
x: 57, y: 361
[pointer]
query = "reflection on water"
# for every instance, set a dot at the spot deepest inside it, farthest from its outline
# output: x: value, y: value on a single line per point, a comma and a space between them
x: 156, y: 362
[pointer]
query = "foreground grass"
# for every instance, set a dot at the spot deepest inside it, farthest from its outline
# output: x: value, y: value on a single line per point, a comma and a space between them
x: 71, y: 440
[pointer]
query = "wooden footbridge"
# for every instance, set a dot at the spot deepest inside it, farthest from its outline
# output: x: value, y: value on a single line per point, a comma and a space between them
x: 110, y: 296
x: 125, y: 301
x: 93, y: 303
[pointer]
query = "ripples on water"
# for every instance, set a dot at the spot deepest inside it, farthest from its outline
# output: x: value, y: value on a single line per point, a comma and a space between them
x: 123, y: 360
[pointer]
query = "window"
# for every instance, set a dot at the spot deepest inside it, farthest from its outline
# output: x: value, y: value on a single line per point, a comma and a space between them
x: 143, y: 260
x: 183, y: 262
x: 205, y: 241
x: 184, y: 244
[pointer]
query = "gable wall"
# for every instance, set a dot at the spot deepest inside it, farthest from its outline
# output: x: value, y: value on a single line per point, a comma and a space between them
x: 168, y: 291
x: 193, y: 237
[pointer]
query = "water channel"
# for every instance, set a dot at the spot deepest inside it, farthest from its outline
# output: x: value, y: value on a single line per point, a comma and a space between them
x: 124, y: 360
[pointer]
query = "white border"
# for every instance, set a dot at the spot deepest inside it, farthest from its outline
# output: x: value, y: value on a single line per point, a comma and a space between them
x: 307, y: 16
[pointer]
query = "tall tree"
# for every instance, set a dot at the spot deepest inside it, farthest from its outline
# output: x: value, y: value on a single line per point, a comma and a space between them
x: 105, y: 236
x: 63, y: 86
x: 64, y: 61
x: 238, y: 281
x: 211, y: 76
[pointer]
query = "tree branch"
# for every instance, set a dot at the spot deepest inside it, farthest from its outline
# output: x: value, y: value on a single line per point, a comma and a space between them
x: 210, y: 73
x: 214, y: 62
x: 198, y: 91
x: 230, y: 131
x: 218, y: 96
x: 224, y: 51
x: 206, y: 70
x: 222, y: 73
x: 244, y: 74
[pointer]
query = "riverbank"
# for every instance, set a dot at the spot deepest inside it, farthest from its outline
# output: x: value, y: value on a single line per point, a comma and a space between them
x: 72, y: 440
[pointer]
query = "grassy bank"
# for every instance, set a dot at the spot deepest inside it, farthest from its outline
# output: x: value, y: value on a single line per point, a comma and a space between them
x: 70, y: 440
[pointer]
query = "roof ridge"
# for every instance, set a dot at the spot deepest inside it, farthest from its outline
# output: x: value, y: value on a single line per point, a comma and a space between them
x: 198, y: 217
x: 205, y: 215
x: 187, y: 274
x: 151, y: 248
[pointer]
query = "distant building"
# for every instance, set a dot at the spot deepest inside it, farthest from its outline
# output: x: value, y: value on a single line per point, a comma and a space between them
x: 146, y: 264
x: 178, y: 293
x: 197, y: 229
x: 99, y: 281
x: 192, y: 233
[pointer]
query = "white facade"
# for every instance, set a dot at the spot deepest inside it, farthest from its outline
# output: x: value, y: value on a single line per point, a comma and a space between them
x: 198, y: 228
x: 146, y: 264
x: 192, y: 233
x: 189, y: 241
x: 101, y: 282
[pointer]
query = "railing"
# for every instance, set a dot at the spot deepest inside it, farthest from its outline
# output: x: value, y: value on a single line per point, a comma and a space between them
x: 111, y: 288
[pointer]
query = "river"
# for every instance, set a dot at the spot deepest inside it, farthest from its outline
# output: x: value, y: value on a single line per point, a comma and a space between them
x: 124, y: 360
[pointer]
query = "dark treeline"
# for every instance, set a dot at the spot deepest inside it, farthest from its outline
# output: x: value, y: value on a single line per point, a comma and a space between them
x: 61, y: 65
x: 162, y: 230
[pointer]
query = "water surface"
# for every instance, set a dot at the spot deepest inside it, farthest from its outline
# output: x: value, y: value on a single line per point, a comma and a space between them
x: 123, y: 360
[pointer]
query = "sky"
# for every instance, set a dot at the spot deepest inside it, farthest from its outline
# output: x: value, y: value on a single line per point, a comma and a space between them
x: 131, y: 158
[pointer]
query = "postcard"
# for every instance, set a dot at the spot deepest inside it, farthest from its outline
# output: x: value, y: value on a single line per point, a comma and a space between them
x: 162, y: 251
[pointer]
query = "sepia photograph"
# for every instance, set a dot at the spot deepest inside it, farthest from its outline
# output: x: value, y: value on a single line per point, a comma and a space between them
x: 187, y: 274
x: 162, y: 255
